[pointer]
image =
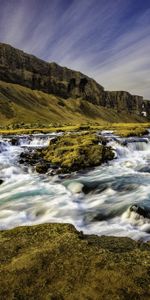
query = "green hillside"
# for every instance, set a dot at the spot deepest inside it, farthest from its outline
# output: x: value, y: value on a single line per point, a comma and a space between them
x: 19, y: 104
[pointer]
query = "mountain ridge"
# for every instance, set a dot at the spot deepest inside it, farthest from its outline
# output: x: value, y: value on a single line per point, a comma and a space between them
x: 28, y: 71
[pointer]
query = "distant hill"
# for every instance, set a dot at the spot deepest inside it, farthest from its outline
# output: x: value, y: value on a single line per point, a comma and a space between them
x: 32, y: 90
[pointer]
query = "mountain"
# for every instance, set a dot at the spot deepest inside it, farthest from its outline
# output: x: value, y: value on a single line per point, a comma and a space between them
x: 32, y: 90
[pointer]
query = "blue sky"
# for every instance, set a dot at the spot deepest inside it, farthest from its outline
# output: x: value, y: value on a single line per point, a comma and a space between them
x: 108, y: 40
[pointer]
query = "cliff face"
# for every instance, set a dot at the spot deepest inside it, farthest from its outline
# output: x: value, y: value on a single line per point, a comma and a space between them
x: 29, y: 71
x: 122, y: 100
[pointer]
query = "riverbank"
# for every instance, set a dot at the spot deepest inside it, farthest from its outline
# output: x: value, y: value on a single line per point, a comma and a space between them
x: 55, y: 261
x: 122, y: 129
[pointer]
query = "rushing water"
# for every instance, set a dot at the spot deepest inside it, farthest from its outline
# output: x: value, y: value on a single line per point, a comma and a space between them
x: 97, y: 201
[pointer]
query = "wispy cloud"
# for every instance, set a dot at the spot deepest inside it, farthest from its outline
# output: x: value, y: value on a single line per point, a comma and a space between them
x: 107, y: 40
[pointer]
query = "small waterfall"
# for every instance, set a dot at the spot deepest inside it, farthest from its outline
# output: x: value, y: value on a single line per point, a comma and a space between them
x: 120, y: 150
x: 142, y: 145
x: 4, y: 145
x: 36, y: 140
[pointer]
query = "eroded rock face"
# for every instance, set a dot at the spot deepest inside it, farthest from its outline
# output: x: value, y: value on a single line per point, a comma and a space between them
x: 122, y: 100
x: 27, y: 70
x: 58, y: 262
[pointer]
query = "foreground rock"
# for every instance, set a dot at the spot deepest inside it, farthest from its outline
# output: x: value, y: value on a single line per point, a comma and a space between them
x: 54, y: 261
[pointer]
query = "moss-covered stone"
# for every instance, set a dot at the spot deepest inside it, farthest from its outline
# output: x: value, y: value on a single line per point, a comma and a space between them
x: 77, y: 151
x: 54, y: 261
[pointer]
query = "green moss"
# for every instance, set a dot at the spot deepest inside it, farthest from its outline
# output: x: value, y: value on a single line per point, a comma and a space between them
x: 54, y: 261
x: 77, y: 151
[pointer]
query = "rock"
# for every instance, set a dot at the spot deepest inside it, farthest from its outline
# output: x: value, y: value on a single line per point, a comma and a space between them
x: 77, y: 152
x: 128, y: 164
x: 145, y: 169
x: 1, y: 181
x: 94, y: 187
x: 54, y: 172
x: 142, y: 211
x: 58, y: 262
x: 135, y: 140
x: 75, y: 187
x: 41, y: 168
x: 30, y: 157
x: 15, y: 141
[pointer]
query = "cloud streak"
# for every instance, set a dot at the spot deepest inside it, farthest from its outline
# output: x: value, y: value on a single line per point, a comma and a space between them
x: 108, y: 40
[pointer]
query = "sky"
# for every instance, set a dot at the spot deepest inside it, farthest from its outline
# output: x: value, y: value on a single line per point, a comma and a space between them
x: 108, y: 40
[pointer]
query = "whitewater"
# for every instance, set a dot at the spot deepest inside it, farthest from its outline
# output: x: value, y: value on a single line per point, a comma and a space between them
x: 97, y: 201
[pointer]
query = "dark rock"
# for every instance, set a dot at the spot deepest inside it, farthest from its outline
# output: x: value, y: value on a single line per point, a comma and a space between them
x: 54, y: 172
x: 94, y: 187
x: 21, y: 161
x: 1, y: 181
x: 134, y: 140
x: 145, y: 169
x: 142, y: 211
x: 42, y: 168
x: 15, y: 141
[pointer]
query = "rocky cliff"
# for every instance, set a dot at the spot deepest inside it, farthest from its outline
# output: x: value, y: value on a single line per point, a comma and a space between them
x: 29, y: 71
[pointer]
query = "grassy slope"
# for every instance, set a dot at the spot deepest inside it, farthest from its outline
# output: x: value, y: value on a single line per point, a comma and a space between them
x: 20, y: 104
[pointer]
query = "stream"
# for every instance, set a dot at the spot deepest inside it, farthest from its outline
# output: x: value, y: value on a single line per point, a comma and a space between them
x: 113, y: 199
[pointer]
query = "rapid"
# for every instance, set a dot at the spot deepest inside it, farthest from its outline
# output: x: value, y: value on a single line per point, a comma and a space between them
x: 113, y: 199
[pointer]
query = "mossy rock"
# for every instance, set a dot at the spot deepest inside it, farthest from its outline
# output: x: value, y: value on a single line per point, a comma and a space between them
x: 77, y: 151
x: 41, y: 168
x: 55, y: 261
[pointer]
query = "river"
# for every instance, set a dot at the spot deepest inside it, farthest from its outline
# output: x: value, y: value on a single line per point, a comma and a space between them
x: 97, y: 201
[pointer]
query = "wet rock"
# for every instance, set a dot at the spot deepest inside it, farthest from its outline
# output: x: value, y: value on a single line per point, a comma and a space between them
x: 94, y: 187
x: 1, y: 181
x: 75, y: 187
x: 30, y: 157
x: 41, y: 168
x: 124, y: 186
x: 142, y: 211
x: 135, y: 140
x: 64, y: 176
x: 53, y: 141
x: 145, y: 169
x: 54, y: 172
x: 15, y: 141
